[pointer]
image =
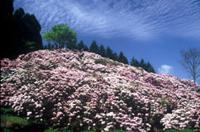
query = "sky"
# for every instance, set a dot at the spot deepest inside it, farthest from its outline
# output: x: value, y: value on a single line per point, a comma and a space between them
x: 156, y: 30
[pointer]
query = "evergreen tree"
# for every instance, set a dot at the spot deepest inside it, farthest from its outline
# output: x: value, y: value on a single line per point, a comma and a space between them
x: 86, y: 48
x: 102, y: 51
x: 115, y: 56
x: 150, y: 68
x: 28, y: 31
x: 81, y: 45
x: 21, y: 31
x: 122, y: 58
x: 146, y: 66
x: 142, y: 63
x: 109, y: 53
x: 134, y: 62
x: 94, y: 47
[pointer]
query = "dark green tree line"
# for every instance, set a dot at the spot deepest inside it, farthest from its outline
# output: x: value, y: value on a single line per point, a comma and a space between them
x: 20, y: 31
x: 145, y: 65
x: 64, y: 37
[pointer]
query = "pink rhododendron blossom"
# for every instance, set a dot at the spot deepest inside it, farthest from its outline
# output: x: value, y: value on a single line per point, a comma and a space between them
x: 65, y: 87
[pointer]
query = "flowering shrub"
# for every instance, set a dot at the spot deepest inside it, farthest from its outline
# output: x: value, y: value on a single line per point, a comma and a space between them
x: 69, y: 88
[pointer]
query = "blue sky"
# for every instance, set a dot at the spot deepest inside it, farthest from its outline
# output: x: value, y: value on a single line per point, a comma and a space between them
x: 156, y: 30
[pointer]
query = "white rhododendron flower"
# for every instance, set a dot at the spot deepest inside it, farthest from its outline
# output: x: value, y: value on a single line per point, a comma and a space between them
x: 66, y: 87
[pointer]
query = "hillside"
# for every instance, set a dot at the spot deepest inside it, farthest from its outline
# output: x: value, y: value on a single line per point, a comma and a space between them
x: 85, y: 90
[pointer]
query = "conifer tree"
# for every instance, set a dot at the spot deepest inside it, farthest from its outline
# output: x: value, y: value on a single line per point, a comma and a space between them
x: 81, y: 45
x: 109, y: 52
x: 94, y: 47
x: 102, y: 50
x: 122, y: 58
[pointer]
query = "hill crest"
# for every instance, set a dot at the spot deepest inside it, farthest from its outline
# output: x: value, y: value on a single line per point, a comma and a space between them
x: 64, y: 86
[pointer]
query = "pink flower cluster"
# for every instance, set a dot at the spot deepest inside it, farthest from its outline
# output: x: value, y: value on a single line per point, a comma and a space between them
x: 64, y: 87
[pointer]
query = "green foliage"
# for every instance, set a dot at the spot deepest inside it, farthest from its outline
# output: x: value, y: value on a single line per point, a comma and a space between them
x: 23, y: 31
x: 82, y: 46
x: 150, y: 68
x: 102, y: 51
x: 65, y: 130
x: 51, y: 130
x: 29, y: 31
x: 10, y: 120
x: 145, y: 65
x: 134, y: 62
x: 115, y: 57
x: 109, y: 53
x: 4, y: 110
x: 155, y: 123
x: 122, y: 58
x: 6, y: 130
x: 94, y: 47
x: 101, y: 61
x: 62, y: 36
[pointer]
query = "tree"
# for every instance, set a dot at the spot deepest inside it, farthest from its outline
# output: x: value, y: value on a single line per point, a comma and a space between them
x: 115, y: 57
x: 122, y: 58
x: 85, y: 48
x: 142, y: 64
x: 191, y: 62
x: 62, y: 36
x: 94, y: 47
x: 80, y: 45
x: 20, y: 31
x: 146, y: 66
x: 28, y: 31
x: 134, y: 62
x: 150, y: 68
x: 109, y: 53
x: 102, y: 50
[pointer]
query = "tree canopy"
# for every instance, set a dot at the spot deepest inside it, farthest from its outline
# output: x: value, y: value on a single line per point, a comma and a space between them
x: 94, y: 47
x: 145, y: 65
x: 62, y: 36
x: 122, y: 58
x: 20, y: 31
x: 82, y: 46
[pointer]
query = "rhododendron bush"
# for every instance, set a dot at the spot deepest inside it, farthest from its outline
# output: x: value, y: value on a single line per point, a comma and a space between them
x: 70, y: 88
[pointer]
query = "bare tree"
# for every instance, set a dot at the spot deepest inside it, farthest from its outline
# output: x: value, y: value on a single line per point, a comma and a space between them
x: 191, y: 62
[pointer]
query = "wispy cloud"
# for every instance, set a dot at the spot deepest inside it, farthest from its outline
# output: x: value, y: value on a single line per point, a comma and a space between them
x: 143, y: 19
x: 165, y: 69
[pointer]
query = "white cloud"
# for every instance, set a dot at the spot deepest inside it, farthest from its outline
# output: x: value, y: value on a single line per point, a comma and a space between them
x: 143, y: 20
x: 165, y: 69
